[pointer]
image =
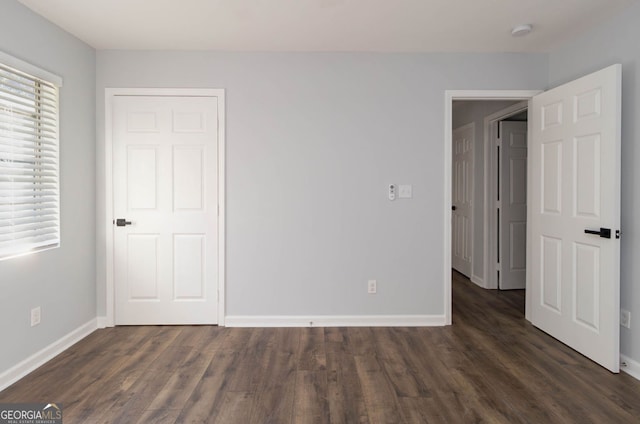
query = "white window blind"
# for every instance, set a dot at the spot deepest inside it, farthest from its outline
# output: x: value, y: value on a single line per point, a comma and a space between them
x: 29, y: 179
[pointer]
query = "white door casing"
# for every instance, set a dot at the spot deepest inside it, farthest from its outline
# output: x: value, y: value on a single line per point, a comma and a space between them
x: 575, y: 185
x: 513, y: 205
x: 165, y: 183
x: 462, y: 196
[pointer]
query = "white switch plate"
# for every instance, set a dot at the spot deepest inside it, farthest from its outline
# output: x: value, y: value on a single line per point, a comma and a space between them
x: 625, y: 318
x: 405, y: 191
x: 372, y: 286
x: 35, y: 316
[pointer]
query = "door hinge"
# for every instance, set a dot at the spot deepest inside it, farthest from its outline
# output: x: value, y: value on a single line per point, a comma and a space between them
x: 618, y: 234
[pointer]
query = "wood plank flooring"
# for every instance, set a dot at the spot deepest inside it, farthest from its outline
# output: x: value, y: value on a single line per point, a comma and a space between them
x: 491, y: 366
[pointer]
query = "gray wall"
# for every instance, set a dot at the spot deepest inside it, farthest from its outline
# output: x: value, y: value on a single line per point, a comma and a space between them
x: 465, y: 113
x: 313, y: 140
x: 616, y: 42
x: 61, y: 281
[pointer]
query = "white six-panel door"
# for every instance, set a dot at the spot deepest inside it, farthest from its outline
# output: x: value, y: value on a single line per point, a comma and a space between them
x: 462, y: 183
x: 575, y: 186
x: 165, y: 185
x: 513, y: 205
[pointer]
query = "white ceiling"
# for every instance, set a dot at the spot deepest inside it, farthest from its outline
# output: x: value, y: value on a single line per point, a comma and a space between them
x: 324, y: 25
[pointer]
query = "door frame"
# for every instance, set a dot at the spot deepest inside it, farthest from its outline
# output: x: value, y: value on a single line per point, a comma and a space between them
x: 110, y: 94
x: 449, y: 97
x: 491, y: 166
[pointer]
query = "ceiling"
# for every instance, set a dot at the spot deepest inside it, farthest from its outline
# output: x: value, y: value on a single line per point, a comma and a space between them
x: 325, y: 25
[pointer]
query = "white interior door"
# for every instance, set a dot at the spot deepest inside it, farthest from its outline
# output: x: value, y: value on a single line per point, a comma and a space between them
x: 462, y: 183
x: 575, y: 186
x: 165, y: 185
x: 513, y: 205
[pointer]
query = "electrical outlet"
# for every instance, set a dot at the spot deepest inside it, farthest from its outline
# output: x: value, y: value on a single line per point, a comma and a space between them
x: 35, y: 316
x: 372, y: 286
x: 625, y: 318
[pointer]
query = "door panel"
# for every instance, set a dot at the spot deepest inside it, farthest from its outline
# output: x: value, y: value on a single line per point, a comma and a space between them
x: 188, y: 266
x: 575, y: 186
x: 142, y: 177
x: 462, y: 184
x: 586, y: 152
x: 513, y: 211
x: 551, y: 265
x: 551, y: 163
x: 142, y: 261
x: 188, y: 178
x: 165, y: 184
x: 586, y: 284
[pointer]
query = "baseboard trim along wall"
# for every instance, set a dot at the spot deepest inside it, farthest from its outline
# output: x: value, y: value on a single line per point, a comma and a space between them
x: 36, y: 360
x: 478, y: 281
x: 630, y: 366
x: 102, y: 322
x: 335, y: 321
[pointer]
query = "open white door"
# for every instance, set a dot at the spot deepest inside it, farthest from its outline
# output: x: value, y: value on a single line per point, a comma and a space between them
x: 513, y: 205
x: 575, y: 192
x: 462, y: 183
x: 165, y: 201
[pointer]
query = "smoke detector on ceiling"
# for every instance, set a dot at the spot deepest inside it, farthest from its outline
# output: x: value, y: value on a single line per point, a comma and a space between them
x: 521, y: 30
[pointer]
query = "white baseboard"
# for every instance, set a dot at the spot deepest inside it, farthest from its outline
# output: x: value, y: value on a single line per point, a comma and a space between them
x: 23, y: 368
x: 478, y: 281
x: 335, y: 321
x: 630, y: 366
x: 102, y: 322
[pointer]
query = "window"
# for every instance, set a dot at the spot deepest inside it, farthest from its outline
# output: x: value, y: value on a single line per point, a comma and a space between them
x: 29, y: 178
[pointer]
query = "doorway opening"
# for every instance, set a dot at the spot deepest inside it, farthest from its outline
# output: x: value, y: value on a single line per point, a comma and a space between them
x: 489, y: 170
x: 495, y: 106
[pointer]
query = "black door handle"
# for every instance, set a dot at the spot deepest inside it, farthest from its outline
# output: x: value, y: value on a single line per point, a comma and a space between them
x: 453, y: 208
x: 121, y: 222
x: 604, y: 232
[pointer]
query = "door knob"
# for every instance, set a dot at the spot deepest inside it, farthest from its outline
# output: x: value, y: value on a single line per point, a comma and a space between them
x: 604, y: 232
x: 121, y: 222
x: 453, y: 208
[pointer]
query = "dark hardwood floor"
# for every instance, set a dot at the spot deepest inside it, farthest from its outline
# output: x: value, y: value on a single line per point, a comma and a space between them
x: 491, y: 366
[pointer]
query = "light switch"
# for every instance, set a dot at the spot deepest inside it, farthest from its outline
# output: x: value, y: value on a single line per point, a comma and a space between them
x: 405, y: 191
